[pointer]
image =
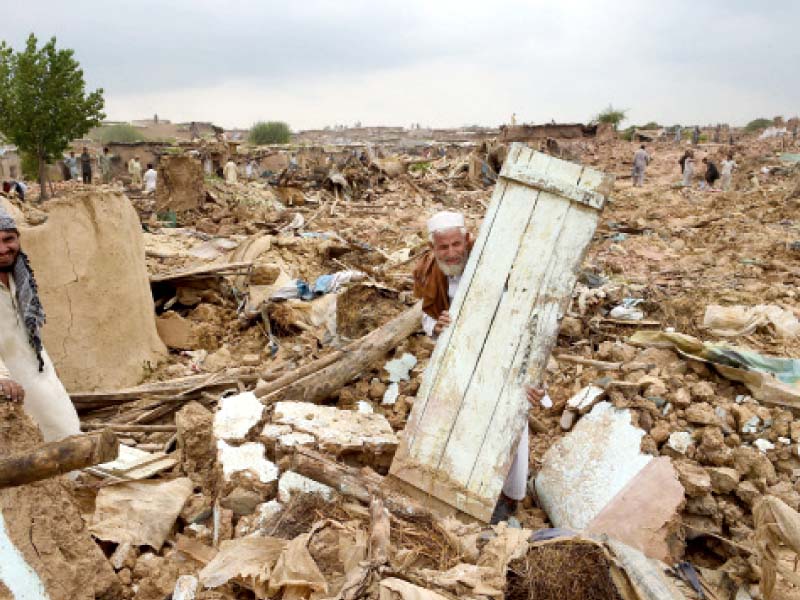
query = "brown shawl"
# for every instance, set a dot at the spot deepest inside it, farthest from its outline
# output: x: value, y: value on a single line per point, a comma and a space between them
x: 430, y: 284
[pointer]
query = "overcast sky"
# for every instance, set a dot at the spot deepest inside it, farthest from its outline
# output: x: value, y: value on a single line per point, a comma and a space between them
x: 437, y: 62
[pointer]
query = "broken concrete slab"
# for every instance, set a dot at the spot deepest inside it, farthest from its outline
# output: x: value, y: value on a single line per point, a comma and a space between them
x: 236, y: 416
x: 365, y: 437
x: 597, y: 478
x: 247, y: 464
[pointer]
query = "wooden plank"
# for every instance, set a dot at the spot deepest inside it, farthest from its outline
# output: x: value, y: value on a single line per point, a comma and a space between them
x: 483, y: 293
x: 533, y: 266
x: 471, y: 406
x: 435, y: 364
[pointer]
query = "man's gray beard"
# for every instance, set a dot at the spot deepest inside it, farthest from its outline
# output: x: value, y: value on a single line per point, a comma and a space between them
x: 452, y: 270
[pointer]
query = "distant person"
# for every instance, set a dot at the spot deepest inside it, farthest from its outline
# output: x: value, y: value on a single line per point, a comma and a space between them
x: 150, y: 177
x: 687, y: 167
x: 513, y: 119
x: 16, y: 187
x: 712, y: 172
x: 230, y: 172
x: 104, y: 161
x: 678, y: 134
x: 640, y: 160
x: 250, y: 170
x: 728, y: 166
x: 135, y: 170
x: 72, y: 165
x: 86, y: 165
x: 717, y: 133
x: 695, y: 136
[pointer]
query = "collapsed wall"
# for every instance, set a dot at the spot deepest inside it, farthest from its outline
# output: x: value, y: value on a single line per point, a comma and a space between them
x: 180, y: 184
x: 90, y: 266
x: 46, y: 551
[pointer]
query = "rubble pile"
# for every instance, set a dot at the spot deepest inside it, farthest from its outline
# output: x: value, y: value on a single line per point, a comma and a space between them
x: 261, y: 472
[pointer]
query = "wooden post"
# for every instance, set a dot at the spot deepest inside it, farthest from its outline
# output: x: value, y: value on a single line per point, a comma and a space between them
x: 55, y: 458
x: 334, y: 372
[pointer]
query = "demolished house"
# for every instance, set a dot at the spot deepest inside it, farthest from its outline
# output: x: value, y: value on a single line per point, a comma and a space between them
x: 265, y: 418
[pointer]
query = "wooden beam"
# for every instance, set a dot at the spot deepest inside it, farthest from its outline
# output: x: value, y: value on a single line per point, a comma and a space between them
x: 56, y: 458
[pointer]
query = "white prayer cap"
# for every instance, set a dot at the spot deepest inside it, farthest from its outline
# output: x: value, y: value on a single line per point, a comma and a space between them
x: 445, y: 220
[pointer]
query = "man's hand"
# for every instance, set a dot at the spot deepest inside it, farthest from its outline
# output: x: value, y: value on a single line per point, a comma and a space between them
x: 11, y: 390
x: 536, y: 394
x: 442, y: 322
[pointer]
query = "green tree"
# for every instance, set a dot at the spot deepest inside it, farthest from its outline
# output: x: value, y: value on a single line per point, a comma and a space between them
x: 43, y: 102
x: 269, y: 132
x: 120, y: 132
x: 611, y: 115
x: 757, y: 124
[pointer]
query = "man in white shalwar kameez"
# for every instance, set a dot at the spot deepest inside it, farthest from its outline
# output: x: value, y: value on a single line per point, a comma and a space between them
x: 27, y: 374
x: 436, y: 280
x: 230, y: 172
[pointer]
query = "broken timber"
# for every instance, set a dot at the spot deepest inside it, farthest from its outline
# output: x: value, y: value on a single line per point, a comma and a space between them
x: 56, y: 458
x: 471, y: 408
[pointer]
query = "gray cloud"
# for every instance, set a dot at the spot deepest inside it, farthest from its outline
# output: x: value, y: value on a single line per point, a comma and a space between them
x: 443, y: 63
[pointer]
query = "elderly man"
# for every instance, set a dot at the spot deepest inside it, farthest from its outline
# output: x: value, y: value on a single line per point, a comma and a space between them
x: 436, y: 280
x: 26, y: 372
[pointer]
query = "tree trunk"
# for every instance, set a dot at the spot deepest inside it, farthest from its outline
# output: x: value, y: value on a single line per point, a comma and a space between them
x: 42, y: 176
x: 317, y: 385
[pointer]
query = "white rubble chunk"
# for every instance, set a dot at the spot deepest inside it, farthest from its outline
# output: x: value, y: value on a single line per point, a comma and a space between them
x: 237, y: 415
x: 247, y: 460
x: 273, y: 432
x: 680, y: 441
x: 292, y: 483
x: 337, y: 430
x: 296, y: 439
x: 763, y: 444
x: 399, y: 368
x: 364, y: 407
x: 185, y: 588
x: 391, y: 394
x: 585, y: 398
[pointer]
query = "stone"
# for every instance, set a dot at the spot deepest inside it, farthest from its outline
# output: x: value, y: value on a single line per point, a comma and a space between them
x: 251, y: 360
x: 695, y: 480
x: 176, y: 332
x: 681, y: 398
x: 292, y: 484
x: 237, y: 415
x: 712, y: 449
x: 255, y: 522
x: 747, y: 492
x: 376, y: 389
x: 571, y: 327
x: 794, y: 431
x: 786, y: 492
x: 218, y: 361
x: 660, y: 432
x: 679, y: 441
x: 702, y: 390
x: 701, y: 413
x: 723, y: 479
x: 704, y: 505
x: 753, y: 464
x: 241, y: 502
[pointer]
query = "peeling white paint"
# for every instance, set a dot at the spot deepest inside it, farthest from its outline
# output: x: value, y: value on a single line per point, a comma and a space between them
x: 15, y: 573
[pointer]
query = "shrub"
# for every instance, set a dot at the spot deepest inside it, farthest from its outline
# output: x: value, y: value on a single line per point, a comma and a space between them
x: 612, y: 115
x: 757, y: 124
x: 121, y: 132
x: 269, y: 132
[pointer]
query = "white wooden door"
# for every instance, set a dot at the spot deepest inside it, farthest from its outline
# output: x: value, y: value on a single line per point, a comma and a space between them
x: 471, y: 407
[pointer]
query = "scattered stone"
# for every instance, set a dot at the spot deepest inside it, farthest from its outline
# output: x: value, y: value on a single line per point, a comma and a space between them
x: 723, y: 479
x: 764, y: 445
x: 702, y: 390
x: 695, y: 480
x: 246, y: 464
x: 747, y: 492
x: 241, y: 501
x: 701, y: 413
x: 680, y: 441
